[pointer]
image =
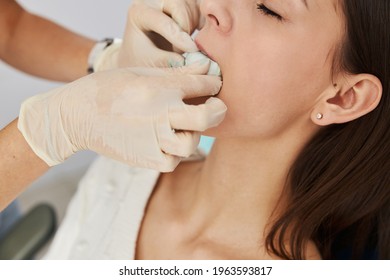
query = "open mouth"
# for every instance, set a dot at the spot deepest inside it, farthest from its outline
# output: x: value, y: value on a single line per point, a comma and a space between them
x: 199, y: 57
x: 203, y: 55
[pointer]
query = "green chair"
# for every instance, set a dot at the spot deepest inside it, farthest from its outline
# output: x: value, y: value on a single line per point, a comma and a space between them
x: 29, y: 234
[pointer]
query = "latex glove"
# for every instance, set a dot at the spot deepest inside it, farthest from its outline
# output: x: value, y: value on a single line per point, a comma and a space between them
x: 136, y: 116
x: 173, y: 20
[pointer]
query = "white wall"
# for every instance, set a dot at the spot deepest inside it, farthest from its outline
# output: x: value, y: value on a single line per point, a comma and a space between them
x: 94, y: 18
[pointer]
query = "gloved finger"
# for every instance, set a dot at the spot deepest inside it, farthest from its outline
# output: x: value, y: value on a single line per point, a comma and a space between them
x: 168, y: 163
x: 162, y: 58
x: 193, y: 86
x: 188, y: 85
x: 202, y: 19
x: 145, y: 54
x: 193, y: 69
x: 181, y: 143
x: 186, y: 15
x: 198, y: 117
x: 165, y: 26
x: 202, y: 22
x: 158, y: 159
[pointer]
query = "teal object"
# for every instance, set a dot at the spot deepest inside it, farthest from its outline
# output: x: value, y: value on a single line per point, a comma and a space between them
x: 206, y: 143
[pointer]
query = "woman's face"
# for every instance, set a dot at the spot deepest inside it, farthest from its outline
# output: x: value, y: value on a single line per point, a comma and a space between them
x: 276, y: 58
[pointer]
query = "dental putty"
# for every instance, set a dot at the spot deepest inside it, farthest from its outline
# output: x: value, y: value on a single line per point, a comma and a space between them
x: 191, y: 58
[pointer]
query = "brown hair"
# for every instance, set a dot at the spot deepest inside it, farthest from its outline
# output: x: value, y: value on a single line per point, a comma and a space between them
x: 340, y: 183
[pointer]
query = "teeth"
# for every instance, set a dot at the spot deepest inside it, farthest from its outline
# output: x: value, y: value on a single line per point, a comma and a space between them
x: 191, y: 58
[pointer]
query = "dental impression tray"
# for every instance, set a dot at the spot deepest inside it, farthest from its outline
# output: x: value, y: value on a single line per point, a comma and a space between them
x: 191, y: 58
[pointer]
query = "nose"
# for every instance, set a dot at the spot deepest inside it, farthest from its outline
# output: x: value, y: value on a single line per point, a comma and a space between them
x: 217, y: 14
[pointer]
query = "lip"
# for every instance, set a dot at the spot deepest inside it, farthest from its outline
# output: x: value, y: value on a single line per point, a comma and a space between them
x: 202, y: 49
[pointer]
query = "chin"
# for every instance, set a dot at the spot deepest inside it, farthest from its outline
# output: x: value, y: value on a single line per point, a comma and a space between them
x: 218, y: 131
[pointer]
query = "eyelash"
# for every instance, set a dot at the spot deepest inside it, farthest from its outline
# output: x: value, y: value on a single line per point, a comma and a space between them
x: 263, y: 9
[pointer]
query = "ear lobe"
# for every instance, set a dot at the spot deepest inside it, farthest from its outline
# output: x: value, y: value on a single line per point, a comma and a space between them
x: 358, y: 96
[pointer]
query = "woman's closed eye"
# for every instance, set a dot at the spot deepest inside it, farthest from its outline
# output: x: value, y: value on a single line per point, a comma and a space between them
x: 266, y: 11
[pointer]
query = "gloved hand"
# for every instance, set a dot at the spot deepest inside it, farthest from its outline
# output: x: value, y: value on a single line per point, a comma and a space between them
x: 136, y: 116
x: 174, y: 20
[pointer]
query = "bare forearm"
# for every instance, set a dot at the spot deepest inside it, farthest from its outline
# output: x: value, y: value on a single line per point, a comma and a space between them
x: 19, y: 166
x: 42, y: 48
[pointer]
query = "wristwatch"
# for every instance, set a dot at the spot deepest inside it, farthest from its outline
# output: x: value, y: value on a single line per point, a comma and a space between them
x: 97, y: 50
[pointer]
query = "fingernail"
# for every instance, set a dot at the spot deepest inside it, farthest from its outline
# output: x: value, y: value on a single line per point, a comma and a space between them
x: 218, y: 103
x: 219, y: 113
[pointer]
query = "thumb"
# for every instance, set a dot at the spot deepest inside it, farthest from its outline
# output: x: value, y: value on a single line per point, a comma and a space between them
x: 198, y: 117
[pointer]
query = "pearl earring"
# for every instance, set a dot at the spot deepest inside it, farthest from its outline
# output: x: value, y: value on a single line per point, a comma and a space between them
x: 319, y: 116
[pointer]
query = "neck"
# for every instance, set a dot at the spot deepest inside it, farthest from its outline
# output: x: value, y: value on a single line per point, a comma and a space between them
x: 240, y: 184
x: 245, y: 175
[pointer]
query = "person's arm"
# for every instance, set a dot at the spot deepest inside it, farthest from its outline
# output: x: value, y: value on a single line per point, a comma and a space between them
x: 134, y: 122
x: 40, y: 47
x: 19, y: 165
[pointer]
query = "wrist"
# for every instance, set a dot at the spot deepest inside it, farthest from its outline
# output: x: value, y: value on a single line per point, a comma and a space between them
x: 40, y: 124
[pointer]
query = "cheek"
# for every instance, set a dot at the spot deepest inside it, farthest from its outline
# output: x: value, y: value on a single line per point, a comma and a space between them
x: 267, y: 93
x: 264, y: 100
x: 249, y: 105
x: 255, y: 83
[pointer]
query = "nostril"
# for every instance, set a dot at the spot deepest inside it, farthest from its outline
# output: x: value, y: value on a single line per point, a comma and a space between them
x: 222, y: 21
x: 214, y: 19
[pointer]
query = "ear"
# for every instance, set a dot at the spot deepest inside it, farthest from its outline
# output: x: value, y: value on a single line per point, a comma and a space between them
x: 353, y: 97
